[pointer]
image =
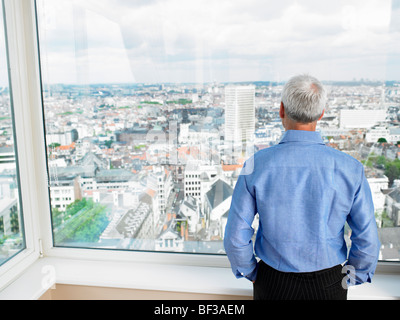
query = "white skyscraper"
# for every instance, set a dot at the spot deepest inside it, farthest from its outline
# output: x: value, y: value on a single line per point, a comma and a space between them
x: 239, y: 113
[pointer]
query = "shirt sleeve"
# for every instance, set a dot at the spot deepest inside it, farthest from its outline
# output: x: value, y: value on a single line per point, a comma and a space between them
x: 239, y: 231
x: 365, y: 245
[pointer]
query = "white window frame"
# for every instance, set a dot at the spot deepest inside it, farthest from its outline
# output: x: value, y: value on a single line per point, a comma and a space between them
x: 22, y: 94
x: 27, y: 100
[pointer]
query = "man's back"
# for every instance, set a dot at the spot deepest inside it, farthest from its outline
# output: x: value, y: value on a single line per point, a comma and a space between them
x: 304, y: 192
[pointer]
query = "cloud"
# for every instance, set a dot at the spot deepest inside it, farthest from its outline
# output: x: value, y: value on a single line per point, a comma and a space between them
x: 225, y: 40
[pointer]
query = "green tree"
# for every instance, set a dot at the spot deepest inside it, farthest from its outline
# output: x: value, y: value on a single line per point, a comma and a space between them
x: 392, y: 171
x: 386, y: 222
x: 108, y: 143
x: 85, y: 224
x: 14, y: 219
x: 57, y: 217
x: 368, y: 163
x: 54, y: 145
x: 381, y: 160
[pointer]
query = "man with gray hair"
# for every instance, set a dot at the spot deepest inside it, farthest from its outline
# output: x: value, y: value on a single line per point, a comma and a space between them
x: 304, y: 193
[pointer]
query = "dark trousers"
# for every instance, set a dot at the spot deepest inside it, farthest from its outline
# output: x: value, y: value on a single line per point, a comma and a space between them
x: 320, y: 285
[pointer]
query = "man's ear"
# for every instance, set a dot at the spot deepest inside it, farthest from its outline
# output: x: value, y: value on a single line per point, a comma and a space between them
x: 282, y: 111
x: 322, y: 115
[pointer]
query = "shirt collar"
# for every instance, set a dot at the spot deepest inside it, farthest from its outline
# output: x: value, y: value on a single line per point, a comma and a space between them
x: 302, y: 136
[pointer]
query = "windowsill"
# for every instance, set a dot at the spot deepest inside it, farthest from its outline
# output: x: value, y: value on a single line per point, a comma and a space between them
x: 46, y: 272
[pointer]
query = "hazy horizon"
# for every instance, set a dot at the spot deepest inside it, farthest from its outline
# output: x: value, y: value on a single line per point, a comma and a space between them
x: 271, y: 82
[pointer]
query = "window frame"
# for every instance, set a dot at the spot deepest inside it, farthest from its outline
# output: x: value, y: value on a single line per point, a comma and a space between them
x: 20, y: 71
x: 202, y: 259
x: 25, y: 77
x: 29, y: 13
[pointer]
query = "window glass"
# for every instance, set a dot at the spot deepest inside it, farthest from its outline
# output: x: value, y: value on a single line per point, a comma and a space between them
x: 12, y: 239
x: 152, y: 107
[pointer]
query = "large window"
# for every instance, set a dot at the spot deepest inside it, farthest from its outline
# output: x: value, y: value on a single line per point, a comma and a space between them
x: 12, y: 239
x: 151, y: 108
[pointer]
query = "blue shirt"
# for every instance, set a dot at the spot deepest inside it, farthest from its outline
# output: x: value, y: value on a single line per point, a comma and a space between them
x: 304, y: 192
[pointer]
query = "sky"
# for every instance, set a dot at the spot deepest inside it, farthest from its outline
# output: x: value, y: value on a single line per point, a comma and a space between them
x: 135, y: 41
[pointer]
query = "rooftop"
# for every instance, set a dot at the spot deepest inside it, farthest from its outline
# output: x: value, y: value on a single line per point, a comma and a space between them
x: 219, y: 192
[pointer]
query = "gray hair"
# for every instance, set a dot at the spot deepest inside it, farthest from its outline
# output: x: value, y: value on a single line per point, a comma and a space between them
x: 304, y: 98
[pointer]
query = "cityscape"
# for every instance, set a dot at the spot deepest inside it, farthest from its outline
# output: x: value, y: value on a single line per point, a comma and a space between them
x: 152, y: 167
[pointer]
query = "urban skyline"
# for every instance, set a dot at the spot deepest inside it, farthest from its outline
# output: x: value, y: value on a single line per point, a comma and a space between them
x: 146, y: 167
x: 189, y: 120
